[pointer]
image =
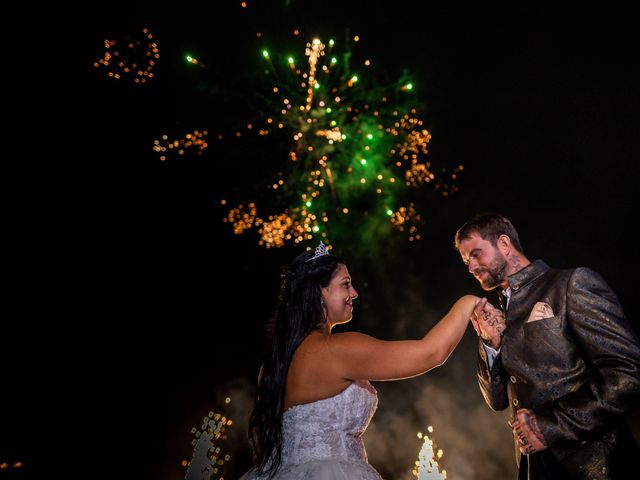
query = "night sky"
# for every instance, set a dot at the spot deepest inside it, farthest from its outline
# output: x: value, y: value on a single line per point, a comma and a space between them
x: 169, y: 306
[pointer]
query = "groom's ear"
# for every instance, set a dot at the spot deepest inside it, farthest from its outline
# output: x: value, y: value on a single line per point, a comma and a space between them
x: 504, y: 244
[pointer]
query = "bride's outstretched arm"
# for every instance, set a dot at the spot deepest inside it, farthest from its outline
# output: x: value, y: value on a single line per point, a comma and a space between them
x: 447, y: 333
x: 359, y: 356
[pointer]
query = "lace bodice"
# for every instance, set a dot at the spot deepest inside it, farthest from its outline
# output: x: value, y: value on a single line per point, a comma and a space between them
x: 329, y: 428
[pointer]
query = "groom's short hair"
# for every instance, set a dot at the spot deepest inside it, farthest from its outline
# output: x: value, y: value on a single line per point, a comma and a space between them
x: 489, y: 226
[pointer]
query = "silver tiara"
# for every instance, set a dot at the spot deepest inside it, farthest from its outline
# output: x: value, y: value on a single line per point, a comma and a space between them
x: 320, y: 251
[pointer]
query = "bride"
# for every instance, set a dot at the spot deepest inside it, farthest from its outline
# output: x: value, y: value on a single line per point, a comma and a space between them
x: 314, y: 400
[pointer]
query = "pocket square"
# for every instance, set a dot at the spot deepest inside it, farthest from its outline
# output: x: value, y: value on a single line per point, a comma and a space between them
x: 540, y: 311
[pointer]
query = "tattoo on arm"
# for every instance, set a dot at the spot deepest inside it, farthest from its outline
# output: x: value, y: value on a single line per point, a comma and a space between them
x: 527, y: 433
x: 532, y: 425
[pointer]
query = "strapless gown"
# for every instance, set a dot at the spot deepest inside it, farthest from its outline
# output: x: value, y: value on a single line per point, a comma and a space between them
x: 322, y: 440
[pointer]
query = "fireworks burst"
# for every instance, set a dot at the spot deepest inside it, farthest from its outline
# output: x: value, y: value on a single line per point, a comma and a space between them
x: 195, y: 142
x: 132, y: 58
x: 355, y: 151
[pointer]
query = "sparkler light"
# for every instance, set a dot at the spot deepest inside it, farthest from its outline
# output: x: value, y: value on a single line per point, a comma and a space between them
x: 208, y: 459
x: 427, y: 467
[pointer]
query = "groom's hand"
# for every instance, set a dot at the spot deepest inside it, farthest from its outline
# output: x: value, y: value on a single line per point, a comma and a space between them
x: 527, y: 433
x: 488, y: 322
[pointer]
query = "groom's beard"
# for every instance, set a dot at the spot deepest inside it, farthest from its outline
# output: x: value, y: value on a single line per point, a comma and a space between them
x: 495, y: 274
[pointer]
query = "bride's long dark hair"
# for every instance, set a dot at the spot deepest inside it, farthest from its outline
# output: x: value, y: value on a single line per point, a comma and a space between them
x: 299, y: 311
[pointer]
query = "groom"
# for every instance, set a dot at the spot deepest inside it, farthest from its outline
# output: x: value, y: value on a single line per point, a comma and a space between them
x: 567, y: 365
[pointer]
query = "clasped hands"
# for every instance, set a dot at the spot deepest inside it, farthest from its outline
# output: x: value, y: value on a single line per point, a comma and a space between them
x: 488, y: 322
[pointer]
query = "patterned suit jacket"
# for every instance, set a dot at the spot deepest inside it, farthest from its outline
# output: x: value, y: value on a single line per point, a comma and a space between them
x: 578, y: 370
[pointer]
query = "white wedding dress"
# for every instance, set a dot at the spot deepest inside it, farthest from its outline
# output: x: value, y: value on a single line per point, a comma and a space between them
x: 322, y: 440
